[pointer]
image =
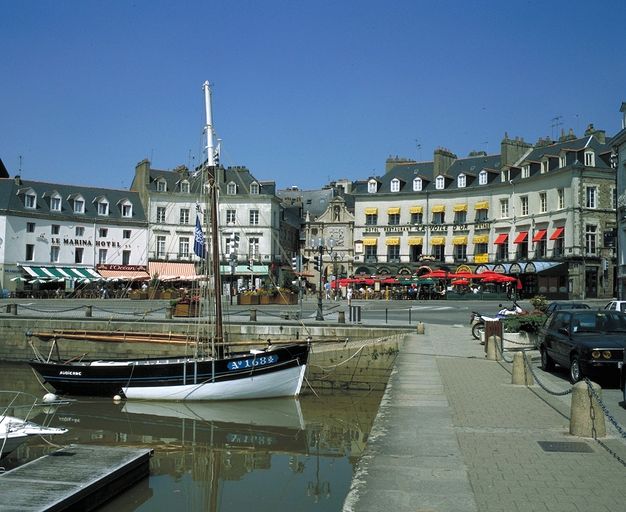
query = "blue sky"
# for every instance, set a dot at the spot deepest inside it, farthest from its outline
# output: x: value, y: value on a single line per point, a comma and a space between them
x: 303, y: 92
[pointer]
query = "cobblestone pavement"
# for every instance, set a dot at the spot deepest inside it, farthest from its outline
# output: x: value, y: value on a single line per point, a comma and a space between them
x: 453, y: 434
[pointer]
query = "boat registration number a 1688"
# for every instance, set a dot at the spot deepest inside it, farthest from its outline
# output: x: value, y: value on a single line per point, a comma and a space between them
x: 252, y: 362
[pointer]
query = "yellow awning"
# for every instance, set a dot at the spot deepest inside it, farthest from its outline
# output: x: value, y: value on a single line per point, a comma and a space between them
x: 371, y: 211
x: 370, y: 241
x: 481, y: 258
x: 459, y: 240
x: 482, y: 205
x: 438, y: 240
x: 415, y: 209
x: 481, y: 239
x: 392, y: 240
x: 416, y: 240
x: 462, y: 207
x: 393, y: 211
x: 438, y: 208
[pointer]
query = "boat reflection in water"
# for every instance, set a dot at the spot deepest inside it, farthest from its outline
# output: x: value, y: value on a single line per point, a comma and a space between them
x: 264, y: 455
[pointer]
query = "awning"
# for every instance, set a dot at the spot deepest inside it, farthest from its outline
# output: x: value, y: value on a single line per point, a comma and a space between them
x: 459, y: 240
x: 501, y: 239
x: 438, y: 240
x: 521, y: 237
x: 370, y: 241
x: 462, y: 207
x: 393, y: 211
x: 416, y: 209
x: 557, y: 233
x: 245, y: 270
x: 481, y: 205
x: 481, y: 239
x: 371, y: 211
x: 61, y: 273
x: 439, y: 208
x: 125, y: 275
x: 416, y: 240
x: 395, y: 240
x: 540, y: 266
x: 539, y: 235
x: 168, y: 271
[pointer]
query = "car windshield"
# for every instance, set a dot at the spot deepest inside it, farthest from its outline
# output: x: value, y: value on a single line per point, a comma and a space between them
x: 598, y: 321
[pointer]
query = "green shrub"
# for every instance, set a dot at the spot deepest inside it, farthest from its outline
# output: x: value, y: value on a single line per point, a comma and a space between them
x: 539, y: 302
x: 528, y: 323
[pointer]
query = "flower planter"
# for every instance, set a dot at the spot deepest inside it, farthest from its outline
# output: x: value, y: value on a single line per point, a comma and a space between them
x: 285, y: 299
x: 247, y: 300
x: 519, y: 340
x: 264, y: 299
x: 185, y: 309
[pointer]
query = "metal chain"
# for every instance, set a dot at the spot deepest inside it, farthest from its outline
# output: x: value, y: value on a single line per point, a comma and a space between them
x: 541, y: 384
x: 49, y: 310
x: 607, y: 414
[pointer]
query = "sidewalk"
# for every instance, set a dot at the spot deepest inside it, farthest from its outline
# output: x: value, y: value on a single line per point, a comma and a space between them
x: 453, y: 434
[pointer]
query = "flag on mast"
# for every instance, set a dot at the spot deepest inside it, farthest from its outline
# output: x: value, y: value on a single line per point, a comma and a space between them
x: 199, y: 243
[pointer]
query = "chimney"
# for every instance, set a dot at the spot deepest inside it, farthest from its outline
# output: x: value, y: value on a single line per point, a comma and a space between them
x: 600, y: 135
x: 443, y: 159
x: 18, y: 180
x: 512, y: 150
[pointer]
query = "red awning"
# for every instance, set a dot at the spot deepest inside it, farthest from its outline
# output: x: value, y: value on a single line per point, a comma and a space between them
x: 557, y: 233
x: 166, y: 271
x: 521, y: 237
x: 501, y: 239
x: 539, y: 235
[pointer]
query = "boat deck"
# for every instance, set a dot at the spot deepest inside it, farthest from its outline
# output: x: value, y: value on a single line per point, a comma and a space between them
x: 79, y: 477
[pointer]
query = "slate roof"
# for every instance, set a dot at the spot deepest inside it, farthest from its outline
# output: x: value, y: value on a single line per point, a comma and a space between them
x: 576, y: 145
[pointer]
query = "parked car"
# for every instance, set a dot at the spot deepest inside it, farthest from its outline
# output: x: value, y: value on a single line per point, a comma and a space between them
x: 616, y: 305
x: 565, y: 304
x: 585, y: 341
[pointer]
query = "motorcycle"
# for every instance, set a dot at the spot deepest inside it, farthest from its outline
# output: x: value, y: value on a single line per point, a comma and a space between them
x: 477, y: 320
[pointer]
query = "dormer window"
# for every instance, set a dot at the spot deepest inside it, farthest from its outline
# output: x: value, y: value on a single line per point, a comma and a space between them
x: 562, y: 161
x: 482, y: 178
x: 526, y: 171
x: 372, y: 186
x: 254, y: 188
x: 103, y: 206
x: 417, y: 184
x: 184, y: 187
x: 545, y: 166
x: 79, y: 205
x: 231, y: 188
x: 126, y: 207
x: 505, y: 175
x: 461, y: 181
x: 30, y: 200
x: 590, y: 159
x: 395, y: 185
x: 55, y: 203
x: 161, y: 185
x: 440, y: 182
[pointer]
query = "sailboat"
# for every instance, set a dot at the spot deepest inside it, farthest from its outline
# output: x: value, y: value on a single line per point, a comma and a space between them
x: 207, y: 374
x: 16, y: 431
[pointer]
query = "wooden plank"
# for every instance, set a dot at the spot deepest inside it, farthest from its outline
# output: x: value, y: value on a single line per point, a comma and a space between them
x: 79, y: 476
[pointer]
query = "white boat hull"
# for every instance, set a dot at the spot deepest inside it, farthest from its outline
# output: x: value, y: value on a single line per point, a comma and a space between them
x: 15, y: 431
x: 287, y: 382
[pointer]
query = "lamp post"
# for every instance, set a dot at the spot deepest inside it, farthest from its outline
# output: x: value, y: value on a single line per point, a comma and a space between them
x: 317, y: 245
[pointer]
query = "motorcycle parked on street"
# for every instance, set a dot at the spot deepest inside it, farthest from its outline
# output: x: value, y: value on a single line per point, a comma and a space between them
x: 477, y: 320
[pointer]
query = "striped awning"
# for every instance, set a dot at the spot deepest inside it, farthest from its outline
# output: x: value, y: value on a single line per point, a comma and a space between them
x: 124, y: 275
x: 459, y: 240
x: 461, y: 207
x: 438, y: 240
x: 501, y: 239
x: 241, y: 270
x: 371, y: 211
x: 393, y: 211
x: 482, y: 205
x: 481, y: 239
x: 521, y: 237
x: 439, y: 208
x: 169, y: 271
x: 540, y: 235
x: 392, y: 240
x: 61, y: 273
x: 416, y: 209
x: 416, y: 240
x: 370, y: 241
x: 557, y: 233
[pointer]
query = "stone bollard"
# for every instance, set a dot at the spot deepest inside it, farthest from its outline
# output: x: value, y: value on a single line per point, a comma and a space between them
x: 493, y: 353
x: 521, y: 375
x: 88, y: 311
x: 341, y: 317
x: 14, y: 309
x: 168, y: 313
x: 586, y: 416
x: 420, y: 327
x: 253, y: 315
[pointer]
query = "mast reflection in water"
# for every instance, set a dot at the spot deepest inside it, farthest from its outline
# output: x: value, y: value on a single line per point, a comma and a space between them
x: 262, y: 455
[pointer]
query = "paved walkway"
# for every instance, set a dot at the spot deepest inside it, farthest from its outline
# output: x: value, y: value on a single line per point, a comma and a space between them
x: 453, y: 434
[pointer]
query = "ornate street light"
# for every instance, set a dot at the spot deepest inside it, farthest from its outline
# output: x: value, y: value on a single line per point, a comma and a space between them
x: 318, y: 246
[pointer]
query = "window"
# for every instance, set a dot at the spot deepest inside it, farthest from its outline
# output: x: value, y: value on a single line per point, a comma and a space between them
x: 522, y: 250
x: 184, y: 187
x: 161, y: 186
x: 30, y: 201
x: 460, y: 252
x: 482, y: 178
x: 543, y: 202
x: 461, y: 181
x: 394, y: 219
x: 160, y: 214
x: 613, y: 198
x: 54, y: 253
x: 541, y: 248
x: 80, y: 231
x: 79, y: 206
x: 372, y: 186
x: 440, y: 182
x: 416, y: 218
x: 103, y: 232
x: 55, y: 229
x: 371, y: 219
x: 545, y: 166
x: 417, y: 184
x: 183, y: 247
x: 371, y: 253
x: 504, y: 208
x: 103, y: 208
x: 505, y: 175
x: 524, y: 205
x: 502, y: 253
x: 559, y: 245
x: 30, y: 252
x: 184, y: 216
x: 439, y: 252
x: 561, y: 194
x: 526, y: 171
x: 591, y: 195
x: 590, y: 158
x: 254, y: 217
x: 254, y: 188
x: 415, y: 251
x: 591, y: 239
x: 30, y: 227
x: 127, y: 210
x: 481, y: 248
x: 231, y: 216
x: 395, y: 185
x: 160, y: 247
x: 231, y: 188
x: 253, y: 248
x: 393, y: 253
x: 482, y: 215
x: 55, y: 203
x: 439, y: 217
x: 460, y: 217
x: 126, y: 233
x: 562, y: 161
x: 126, y: 257
x: 102, y: 256
x: 78, y: 254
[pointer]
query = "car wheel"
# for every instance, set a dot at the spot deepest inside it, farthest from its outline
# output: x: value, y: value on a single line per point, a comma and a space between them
x: 575, y: 373
x: 547, y: 363
x: 477, y: 330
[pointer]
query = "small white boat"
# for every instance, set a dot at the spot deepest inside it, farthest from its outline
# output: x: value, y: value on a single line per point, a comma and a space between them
x: 15, y: 431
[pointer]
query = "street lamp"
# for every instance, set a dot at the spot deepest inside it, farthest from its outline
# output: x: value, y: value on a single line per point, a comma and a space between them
x: 318, y: 246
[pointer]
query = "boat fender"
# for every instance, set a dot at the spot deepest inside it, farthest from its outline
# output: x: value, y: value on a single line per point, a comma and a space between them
x: 50, y: 397
x: 117, y: 399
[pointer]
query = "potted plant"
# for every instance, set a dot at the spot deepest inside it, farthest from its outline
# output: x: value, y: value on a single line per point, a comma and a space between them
x: 523, y: 329
x: 248, y: 298
x: 187, y: 306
